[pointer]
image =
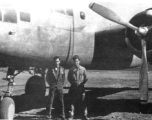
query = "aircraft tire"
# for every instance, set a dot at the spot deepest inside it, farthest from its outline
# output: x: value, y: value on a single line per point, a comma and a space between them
x: 35, y: 86
x: 7, y: 108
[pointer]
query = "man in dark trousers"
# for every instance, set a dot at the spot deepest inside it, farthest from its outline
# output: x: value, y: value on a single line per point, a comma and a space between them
x: 55, y: 76
x: 77, y: 77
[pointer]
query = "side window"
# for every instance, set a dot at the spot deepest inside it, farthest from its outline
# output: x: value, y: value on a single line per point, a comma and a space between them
x: 10, y: 15
x: 0, y: 15
x: 69, y: 12
x: 82, y: 15
x: 25, y: 16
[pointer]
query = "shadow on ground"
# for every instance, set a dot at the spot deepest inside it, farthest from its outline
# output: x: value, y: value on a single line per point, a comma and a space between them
x: 97, y: 106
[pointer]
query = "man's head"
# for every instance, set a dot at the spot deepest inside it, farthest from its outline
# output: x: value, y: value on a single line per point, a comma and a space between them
x: 56, y: 60
x: 76, y: 60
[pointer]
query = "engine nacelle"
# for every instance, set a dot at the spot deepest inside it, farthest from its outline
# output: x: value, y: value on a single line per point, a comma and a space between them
x: 133, y: 41
x: 140, y: 19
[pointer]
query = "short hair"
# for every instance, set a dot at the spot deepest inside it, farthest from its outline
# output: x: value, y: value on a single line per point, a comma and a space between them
x: 56, y: 57
x: 76, y: 57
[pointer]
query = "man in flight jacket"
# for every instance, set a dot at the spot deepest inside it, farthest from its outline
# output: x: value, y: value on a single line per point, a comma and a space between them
x: 55, y: 76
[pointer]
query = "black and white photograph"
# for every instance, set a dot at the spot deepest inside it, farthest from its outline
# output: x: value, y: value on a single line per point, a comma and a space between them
x: 75, y: 60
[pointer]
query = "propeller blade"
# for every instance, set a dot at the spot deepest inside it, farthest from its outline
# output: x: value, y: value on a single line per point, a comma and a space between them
x: 143, y: 78
x: 150, y: 27
x: 110, y: 15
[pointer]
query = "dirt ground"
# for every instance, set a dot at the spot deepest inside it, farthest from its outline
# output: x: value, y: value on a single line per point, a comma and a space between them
x: 111, y: 95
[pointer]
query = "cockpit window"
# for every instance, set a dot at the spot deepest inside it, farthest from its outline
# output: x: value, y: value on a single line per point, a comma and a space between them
x: 10, y: 15
x: 25, y: 16
x: 0, y: 15
x: 69, y: 12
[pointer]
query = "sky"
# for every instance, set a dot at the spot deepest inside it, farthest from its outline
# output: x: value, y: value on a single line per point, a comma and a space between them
x: 75, y: 4
x: 61, y: 3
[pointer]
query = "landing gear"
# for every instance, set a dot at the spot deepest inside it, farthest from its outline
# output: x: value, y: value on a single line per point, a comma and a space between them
x: 35, y: 89
x: 10, y: 78
x: 7, y: 108
x: 35, y: 86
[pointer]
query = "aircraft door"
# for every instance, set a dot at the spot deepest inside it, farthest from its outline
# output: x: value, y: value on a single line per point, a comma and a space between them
x: 55, y: 34
x: 83, y: 38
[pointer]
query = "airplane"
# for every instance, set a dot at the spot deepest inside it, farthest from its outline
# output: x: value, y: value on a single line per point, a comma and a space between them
x: 31, y: 34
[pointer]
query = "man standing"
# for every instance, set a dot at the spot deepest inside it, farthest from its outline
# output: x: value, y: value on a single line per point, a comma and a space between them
x: 77, y: 77
x: 55, y: 76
